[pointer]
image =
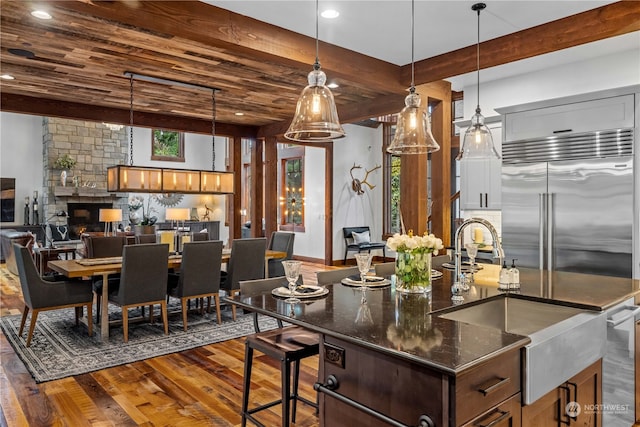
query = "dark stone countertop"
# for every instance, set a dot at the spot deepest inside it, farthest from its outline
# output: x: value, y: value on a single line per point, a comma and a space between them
x: 408, y: 326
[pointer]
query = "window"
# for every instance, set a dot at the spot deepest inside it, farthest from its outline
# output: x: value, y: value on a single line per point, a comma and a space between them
x: 167, y: 145
x: 391, y: 184
x: 292, y: 189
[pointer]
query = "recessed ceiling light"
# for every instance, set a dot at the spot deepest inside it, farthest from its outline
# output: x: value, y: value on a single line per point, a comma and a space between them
x: 330, y: 14
x: 41, y: 14
x: 333, y: 85
x: 7, y: 77
x: 239, y: 114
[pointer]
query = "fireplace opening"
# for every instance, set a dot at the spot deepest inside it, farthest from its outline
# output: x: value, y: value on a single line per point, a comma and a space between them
x: 84, y: 217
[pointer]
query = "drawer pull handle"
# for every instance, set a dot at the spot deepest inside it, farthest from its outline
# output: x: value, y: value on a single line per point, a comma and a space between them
x: 563, y: 131
x: 493, y: 387
x: 502, y: 416
x: 332, y: 384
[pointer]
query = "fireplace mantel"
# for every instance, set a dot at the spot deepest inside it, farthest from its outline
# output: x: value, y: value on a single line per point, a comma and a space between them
x: 85, y: 192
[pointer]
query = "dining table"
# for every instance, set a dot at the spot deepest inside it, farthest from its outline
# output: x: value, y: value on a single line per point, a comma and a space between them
x: 89, y: 267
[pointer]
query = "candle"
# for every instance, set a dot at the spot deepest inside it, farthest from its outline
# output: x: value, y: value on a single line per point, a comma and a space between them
x: 478, y: 235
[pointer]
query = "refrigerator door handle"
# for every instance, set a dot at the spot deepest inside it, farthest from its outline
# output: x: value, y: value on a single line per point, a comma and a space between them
x: 550, y: 231
x: 542, y: 204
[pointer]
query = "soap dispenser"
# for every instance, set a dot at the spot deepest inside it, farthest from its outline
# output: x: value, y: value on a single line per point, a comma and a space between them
x: 514, y: 275
x: 504, y: 279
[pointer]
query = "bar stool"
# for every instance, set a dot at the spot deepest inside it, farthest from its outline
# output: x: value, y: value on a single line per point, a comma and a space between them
x: 288, y: 344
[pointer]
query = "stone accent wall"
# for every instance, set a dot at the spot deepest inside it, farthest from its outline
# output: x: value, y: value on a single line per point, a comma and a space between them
x: 94, y: 146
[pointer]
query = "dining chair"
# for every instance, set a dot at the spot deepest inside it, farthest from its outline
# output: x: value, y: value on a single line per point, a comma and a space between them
x: 438, y: 260
x: 143, y: 281
x: 385, y: 268
x: 41, y: 295
x: 199, y: 276
x: 200, y: 236
x: 287, y: 344
x: 245, y: 263
x: 145, y: 238
x: 283, y: 242
x: 334, y: 276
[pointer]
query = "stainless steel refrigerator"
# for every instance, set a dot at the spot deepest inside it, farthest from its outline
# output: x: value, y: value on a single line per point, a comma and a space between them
x: 567, y: 203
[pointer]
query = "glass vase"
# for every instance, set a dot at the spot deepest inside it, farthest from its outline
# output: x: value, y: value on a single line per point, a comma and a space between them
x: 413, y: 272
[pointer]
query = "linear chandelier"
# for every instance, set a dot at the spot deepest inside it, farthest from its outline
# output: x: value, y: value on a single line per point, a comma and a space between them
x: 148, y: 179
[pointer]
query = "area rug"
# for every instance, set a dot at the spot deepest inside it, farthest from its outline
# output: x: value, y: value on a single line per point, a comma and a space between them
x: 60, y: 349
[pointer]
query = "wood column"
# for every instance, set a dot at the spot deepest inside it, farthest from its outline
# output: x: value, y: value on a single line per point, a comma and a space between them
x: 235, y: 200
x: 271, y: 196
x: 439, y: 98
x: 257, y: 188
x: 414, y: 172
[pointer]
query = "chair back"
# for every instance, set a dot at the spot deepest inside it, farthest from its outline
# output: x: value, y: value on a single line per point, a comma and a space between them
x: 105, y: 246
x: 256, y: 287
x: 200, y: 268
x: 334, y: 276
x: 28, y: 274
x: 385, y: 269
x: 144, y: 273
x: 200, y: 236
x: 246, y: 262
x: 145, y: 238
x: 282, y: 242
x: 437, y: 261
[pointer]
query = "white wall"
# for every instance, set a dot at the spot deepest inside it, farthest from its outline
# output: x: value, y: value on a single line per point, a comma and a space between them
x: 606, y: 72
x: 362, y: 146
x: 21, y: 157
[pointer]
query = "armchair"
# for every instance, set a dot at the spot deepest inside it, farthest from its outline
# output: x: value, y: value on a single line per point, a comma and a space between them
x: 41, y: 295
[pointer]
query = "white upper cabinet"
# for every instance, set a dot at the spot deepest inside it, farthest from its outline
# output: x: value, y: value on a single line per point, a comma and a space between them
x: 596, y: 115
x: 480, y: 179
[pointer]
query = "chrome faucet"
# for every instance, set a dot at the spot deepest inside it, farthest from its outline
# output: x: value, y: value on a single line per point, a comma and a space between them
x: 460, y: 278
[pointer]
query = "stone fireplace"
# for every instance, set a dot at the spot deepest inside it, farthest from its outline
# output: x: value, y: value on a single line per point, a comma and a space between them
x: 94, y: 147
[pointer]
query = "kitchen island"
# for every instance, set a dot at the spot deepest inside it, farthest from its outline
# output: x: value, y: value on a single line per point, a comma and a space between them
x: 394, y: 355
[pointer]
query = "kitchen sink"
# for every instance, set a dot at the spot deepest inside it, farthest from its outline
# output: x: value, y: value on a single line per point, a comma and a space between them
x: 564, y: 340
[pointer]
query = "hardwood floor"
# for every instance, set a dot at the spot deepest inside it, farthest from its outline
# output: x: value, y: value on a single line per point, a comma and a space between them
x: 199, y: 387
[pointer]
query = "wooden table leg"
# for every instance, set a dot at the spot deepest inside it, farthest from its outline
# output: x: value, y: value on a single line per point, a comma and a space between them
x: 104, y: 316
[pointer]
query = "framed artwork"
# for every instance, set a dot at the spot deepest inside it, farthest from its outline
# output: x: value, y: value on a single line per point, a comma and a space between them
x: 167, y: 145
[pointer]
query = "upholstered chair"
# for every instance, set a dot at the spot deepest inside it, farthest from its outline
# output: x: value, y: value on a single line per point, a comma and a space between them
x: 41, y: 295
x: 199, y: 275
x: 282, y: 242
x: 385, y: 268
x: 145, y: 238
x: 143, y: 281
x: 104, y: 247
x: 245, y: 263
x: 200, y: 236
x: 334, y: 276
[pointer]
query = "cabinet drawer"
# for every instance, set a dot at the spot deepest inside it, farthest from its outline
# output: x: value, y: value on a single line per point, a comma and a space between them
x: 486, y: 385
x: 505, y: 414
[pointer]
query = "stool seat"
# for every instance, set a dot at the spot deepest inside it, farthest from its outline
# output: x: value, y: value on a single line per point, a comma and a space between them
x: 288, y: 344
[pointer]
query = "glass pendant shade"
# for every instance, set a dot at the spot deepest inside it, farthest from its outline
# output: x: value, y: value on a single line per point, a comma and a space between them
x: 316, y: 117
x: 477, y: 142
x: 413, y: 130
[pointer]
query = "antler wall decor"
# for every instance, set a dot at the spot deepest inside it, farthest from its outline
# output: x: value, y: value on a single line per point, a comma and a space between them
x: 356, y: 184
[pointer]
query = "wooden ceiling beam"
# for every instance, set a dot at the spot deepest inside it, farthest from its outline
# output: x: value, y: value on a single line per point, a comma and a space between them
x: 72, y: 110
x: 211, y: 25
x: 607, y: 21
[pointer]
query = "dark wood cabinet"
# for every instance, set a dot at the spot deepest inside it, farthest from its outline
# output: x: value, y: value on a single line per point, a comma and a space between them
x: 583, y: 390
x: 505, y: 414
x: 404, y: 390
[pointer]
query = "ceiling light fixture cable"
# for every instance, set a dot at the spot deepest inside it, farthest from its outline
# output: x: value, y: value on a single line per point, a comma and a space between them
x: 413, y: 129
x: 478, y: 141
x: 145, y: 179
x: 316, y: 116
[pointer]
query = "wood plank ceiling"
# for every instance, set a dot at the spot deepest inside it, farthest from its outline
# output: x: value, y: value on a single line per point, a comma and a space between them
x: 80, y: 57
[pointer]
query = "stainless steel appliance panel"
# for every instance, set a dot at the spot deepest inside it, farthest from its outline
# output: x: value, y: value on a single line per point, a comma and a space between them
x: 590, y: 216
x: 523, y: 194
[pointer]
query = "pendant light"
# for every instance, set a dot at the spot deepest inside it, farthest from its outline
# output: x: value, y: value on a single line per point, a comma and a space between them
x: 316, y: 117
x: 413, y: 128
x: 478, y: 142
x: 144, y: 179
